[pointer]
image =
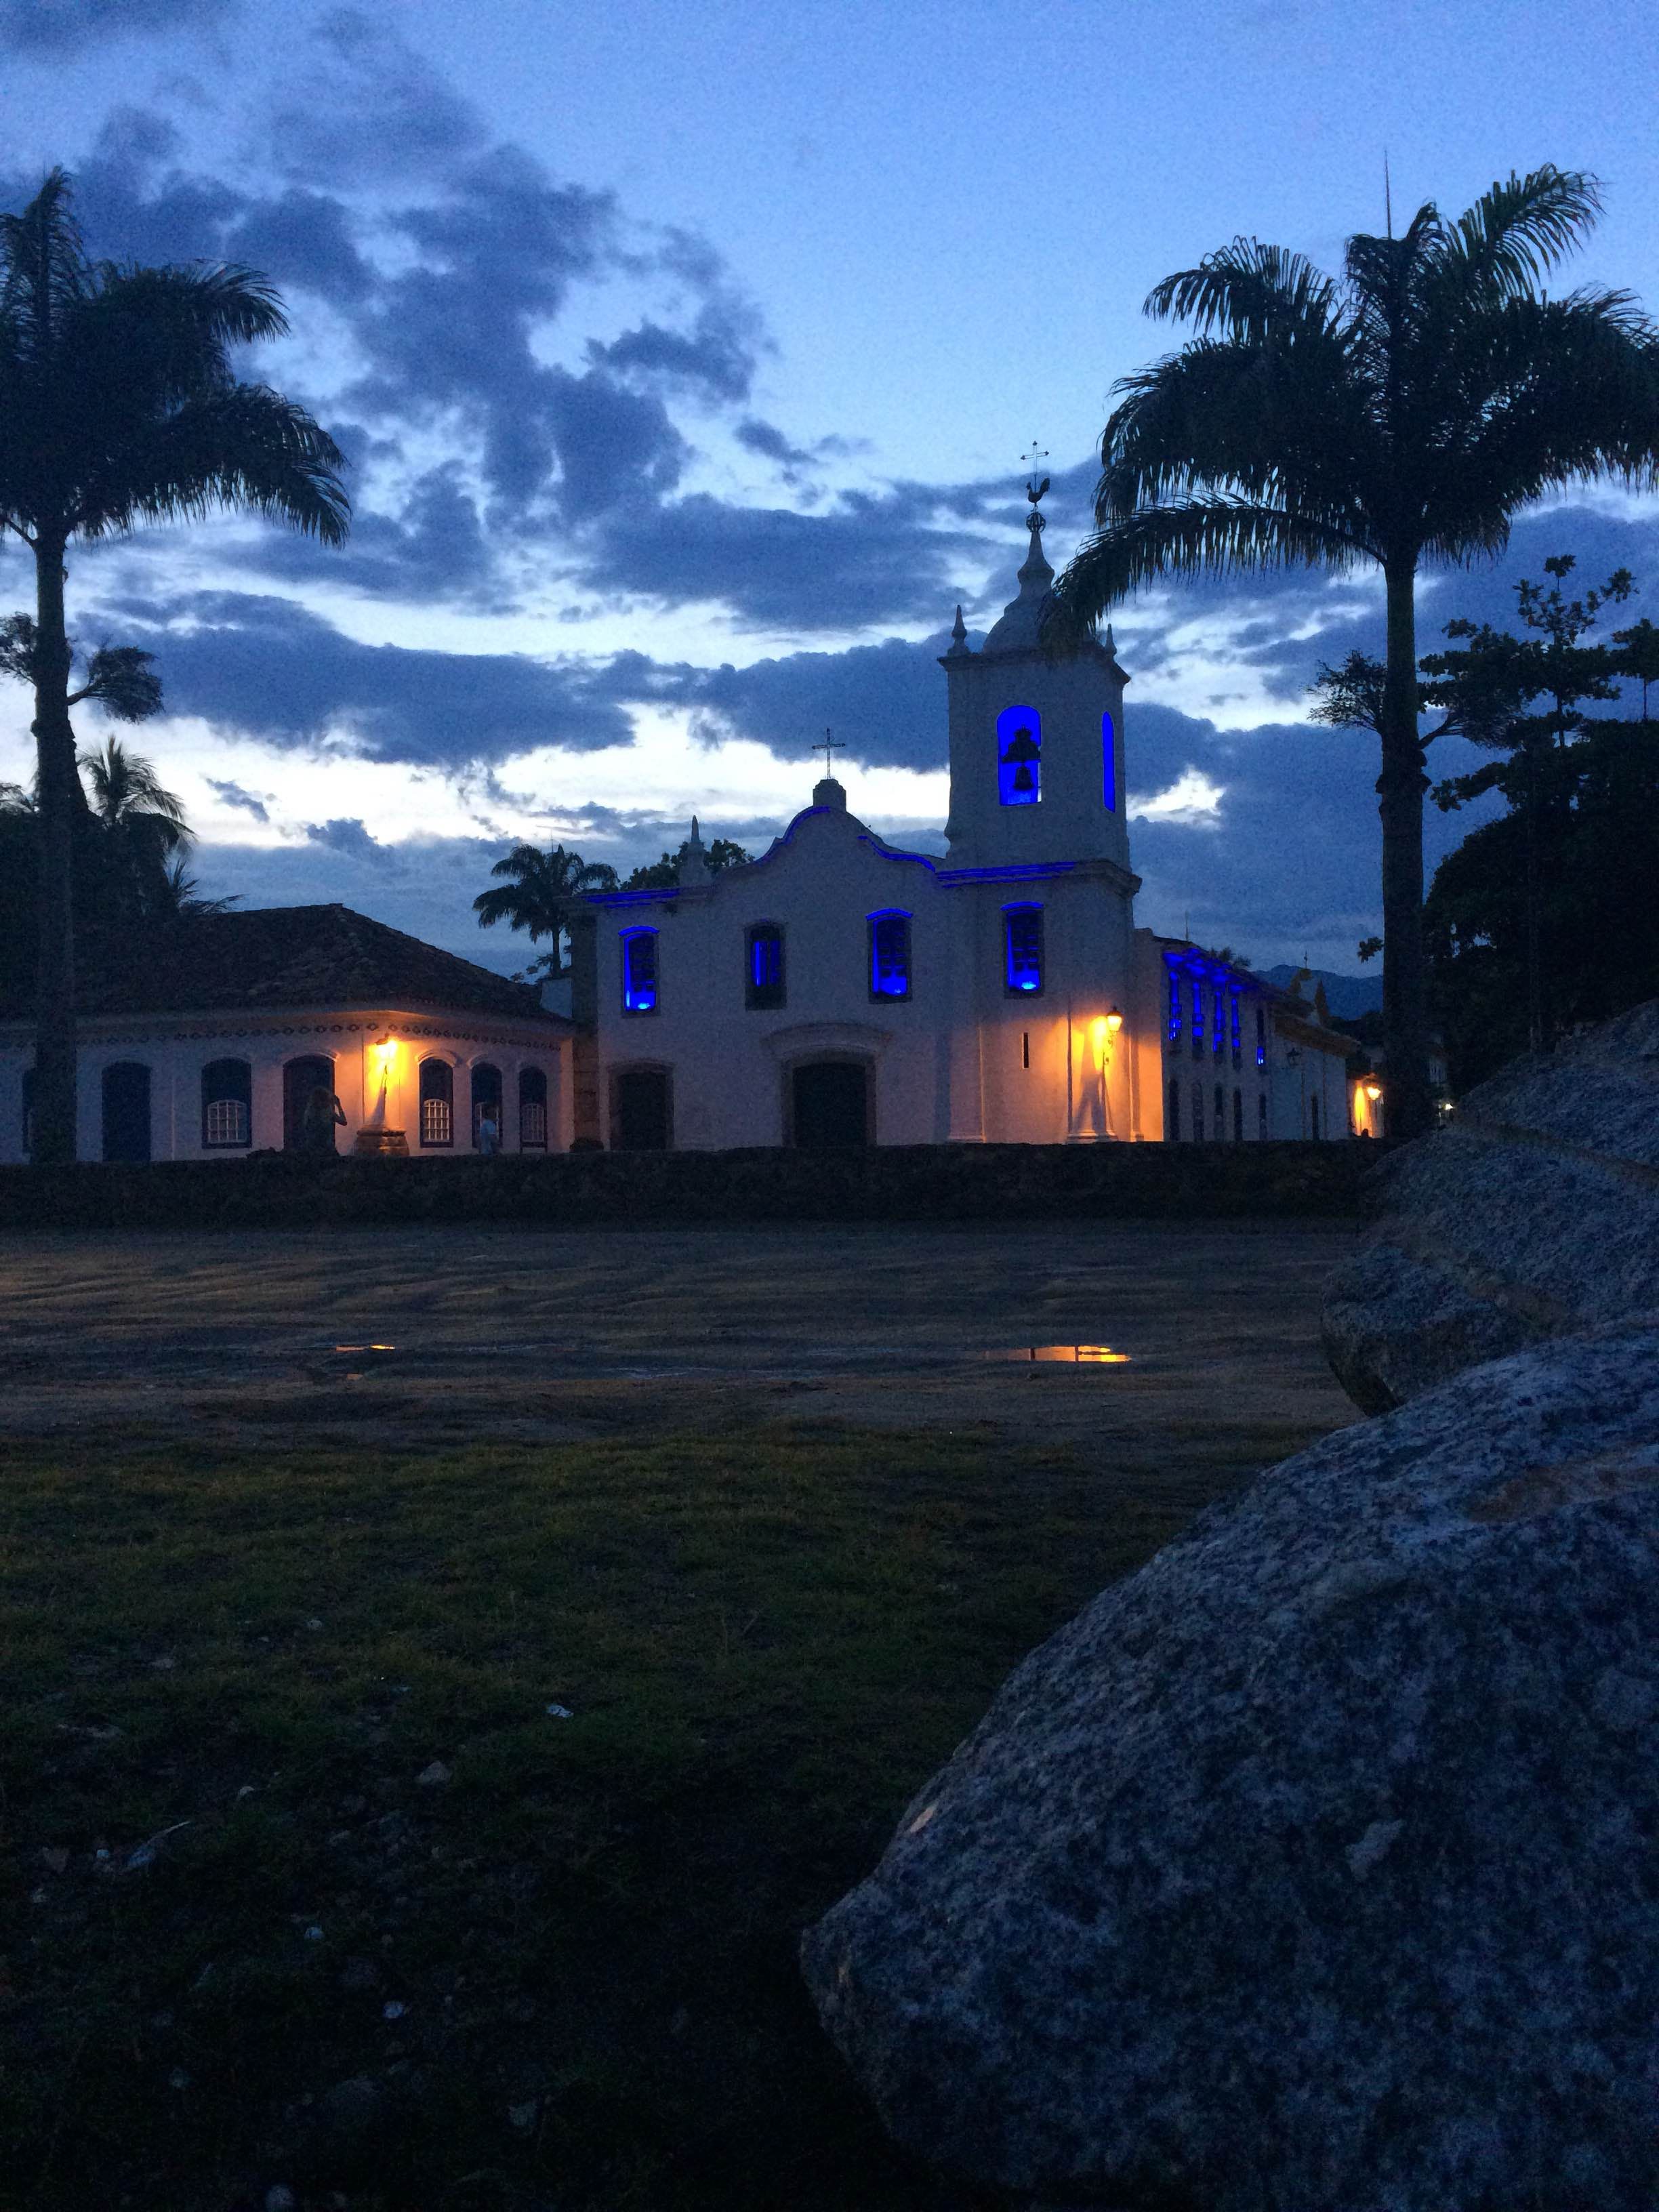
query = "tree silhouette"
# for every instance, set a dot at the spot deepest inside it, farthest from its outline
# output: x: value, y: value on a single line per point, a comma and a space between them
x: 538, y: 893
x: 1402, y: 411
x: 119, y: 406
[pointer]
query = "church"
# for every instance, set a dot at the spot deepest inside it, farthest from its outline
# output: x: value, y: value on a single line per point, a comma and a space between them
x: 842, y: 990
x: 839, y: 990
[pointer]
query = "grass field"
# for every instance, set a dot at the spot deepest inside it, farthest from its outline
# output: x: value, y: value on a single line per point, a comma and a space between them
x: 307, y: 1887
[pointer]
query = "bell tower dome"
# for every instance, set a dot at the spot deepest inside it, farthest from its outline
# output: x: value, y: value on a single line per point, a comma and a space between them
x: 1036, y: 734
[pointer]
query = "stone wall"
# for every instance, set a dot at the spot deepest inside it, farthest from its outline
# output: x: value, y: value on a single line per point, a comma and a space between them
x: 921, y: 1182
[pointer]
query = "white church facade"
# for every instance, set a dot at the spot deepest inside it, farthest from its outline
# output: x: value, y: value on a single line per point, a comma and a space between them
x: 841, y: 990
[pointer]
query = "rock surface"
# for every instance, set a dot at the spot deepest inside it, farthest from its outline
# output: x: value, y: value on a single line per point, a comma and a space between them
x: 1317, y: 1864
x: 1535, y: 1213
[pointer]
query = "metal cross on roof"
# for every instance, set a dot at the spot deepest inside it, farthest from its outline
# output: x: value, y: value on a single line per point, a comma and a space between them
x: 830, y: 746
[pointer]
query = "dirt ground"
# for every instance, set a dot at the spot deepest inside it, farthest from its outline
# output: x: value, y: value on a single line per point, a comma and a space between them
x: 416, y: 1336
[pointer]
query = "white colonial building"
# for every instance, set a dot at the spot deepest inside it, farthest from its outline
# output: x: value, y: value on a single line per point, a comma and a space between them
x: 839, y: 990
x: 217, y: 1047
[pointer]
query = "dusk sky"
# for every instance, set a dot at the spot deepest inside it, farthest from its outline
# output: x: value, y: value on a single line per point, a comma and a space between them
x: 685, y: 356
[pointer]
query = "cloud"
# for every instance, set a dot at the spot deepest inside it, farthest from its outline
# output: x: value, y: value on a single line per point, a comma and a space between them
x: 365, y: 107
x: 347, y: 835
x: 57, y: 27
x: 232, y: 794
x: 268, y: 669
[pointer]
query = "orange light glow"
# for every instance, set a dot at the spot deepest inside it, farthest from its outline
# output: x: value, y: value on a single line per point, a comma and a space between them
x: 1114, y: 1021
x: 1373, y: 1092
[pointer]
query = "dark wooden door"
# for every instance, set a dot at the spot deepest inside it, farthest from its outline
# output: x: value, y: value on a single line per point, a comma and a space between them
x: 831, y: 1103
x: 127, y: 1112
x: 641, y: 1122
x: 300, y: 1078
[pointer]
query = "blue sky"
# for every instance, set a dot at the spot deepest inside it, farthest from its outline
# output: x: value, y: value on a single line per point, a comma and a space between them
x: 685, y: 356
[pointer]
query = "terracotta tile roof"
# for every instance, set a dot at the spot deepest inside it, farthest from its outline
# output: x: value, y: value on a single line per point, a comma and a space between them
x: 303, y: 955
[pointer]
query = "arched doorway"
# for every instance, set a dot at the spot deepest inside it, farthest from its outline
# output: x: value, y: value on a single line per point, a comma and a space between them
x: 642, y: 1111
x: 829, y: 1104
x: 486, y: 1099
x: 127, y: 1112
x: 312, y: 1071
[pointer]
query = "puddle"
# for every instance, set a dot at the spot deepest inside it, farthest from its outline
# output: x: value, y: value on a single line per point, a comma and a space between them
x: 1069, y: 1355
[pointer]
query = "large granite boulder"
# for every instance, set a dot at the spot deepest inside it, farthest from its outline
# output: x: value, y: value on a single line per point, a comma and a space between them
x: 1534, y: 1213
x: 1316, y: 1865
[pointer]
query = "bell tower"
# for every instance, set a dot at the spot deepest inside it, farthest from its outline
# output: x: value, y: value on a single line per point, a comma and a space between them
x: 1037, y: 736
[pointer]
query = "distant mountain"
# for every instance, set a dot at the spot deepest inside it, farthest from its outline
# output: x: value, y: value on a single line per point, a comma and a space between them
x: 1346, y: 995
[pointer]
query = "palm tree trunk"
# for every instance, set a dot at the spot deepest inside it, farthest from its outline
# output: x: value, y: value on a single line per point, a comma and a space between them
x: 1399, y: 792
x: 58, y: 800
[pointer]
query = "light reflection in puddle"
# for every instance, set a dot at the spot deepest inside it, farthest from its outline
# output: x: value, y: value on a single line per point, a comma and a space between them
x: 1071, y: 1355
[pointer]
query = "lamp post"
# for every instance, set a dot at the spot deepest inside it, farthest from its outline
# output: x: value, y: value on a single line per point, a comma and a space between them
x: 374, y: 1139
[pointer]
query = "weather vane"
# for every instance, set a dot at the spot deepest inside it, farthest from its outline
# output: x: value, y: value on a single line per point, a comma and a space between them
x: 1036, y: 481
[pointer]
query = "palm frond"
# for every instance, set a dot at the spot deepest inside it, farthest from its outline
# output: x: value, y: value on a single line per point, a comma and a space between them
x: 1520, y: 229
x: 248, y: 447
x: 1280, y: 424
x: 1245, y: 290
x: 1212, y: 537
x: 122, y: 680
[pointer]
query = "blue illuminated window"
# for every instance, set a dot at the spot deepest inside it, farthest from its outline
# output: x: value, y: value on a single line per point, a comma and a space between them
x: 639, y: 951
x: 889, y: 954
x: 1238, y: 1054
x: 1175, y: 1006
x: 1198, y: 1018
x: 1219, y: 1033
x: 763, y: 972
x: 1022, y: 945
x: 1173, y: 1133
x: 1019, y: 756
x: 1108, y: 763
x: 1261, y: 1036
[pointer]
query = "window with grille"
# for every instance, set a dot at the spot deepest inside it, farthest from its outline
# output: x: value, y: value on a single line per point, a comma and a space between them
x: 763, y: 966
x: 437, y: 1103
x: 1022, y: 945
x: 227, y: 1105
x: 890, y: 955
x: 533, y: 1110
x: 639, y: 954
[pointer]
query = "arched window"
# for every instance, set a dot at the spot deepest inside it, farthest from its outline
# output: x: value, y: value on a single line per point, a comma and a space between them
x: 1019, y: 756
x: 486, y: 1100
x: 437, y: 1103
x: 762, y: 973
x: 1022, y: 949
x: 639, y: 963
x: 1238, y: 1117
x: 889, y: 954
x: 533, y: 1110
x: 1173, y: 1133
x: 1198, y: 1113
x: 1108, y: 763
x: 227, y: 1106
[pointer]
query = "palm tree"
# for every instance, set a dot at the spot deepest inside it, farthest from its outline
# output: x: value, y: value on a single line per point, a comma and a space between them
x: 143, y: 825
x: 119, y: 405
x: 1402, y: 412
x: 539, y: 892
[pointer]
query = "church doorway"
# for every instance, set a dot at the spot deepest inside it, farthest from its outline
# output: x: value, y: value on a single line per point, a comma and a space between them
x: 829, y: 1104
x: 127, y: 1112
x: 313, y: 1071
x: 642, y: 1111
